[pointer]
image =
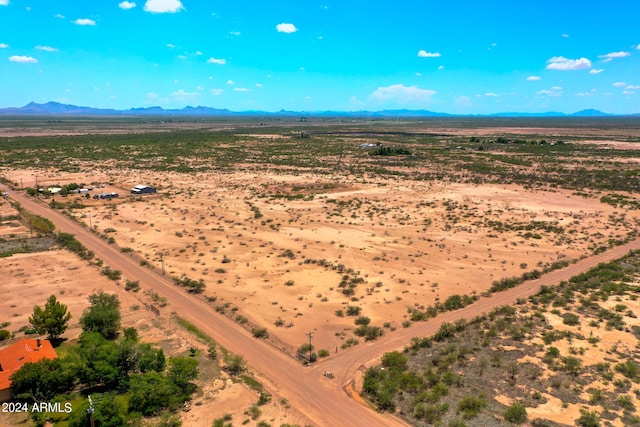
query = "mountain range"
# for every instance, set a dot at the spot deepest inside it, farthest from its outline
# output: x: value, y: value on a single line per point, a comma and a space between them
x: 58, y: 109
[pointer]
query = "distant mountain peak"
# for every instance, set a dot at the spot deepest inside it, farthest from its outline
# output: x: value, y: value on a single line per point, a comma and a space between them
x: 56, y: 108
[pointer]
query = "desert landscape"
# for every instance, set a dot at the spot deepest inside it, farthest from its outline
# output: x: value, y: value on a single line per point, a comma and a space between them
x: 319, y: 236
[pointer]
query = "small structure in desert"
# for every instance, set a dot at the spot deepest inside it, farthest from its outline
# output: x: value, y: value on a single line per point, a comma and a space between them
x: 143, y: 189
x: 13, y: 357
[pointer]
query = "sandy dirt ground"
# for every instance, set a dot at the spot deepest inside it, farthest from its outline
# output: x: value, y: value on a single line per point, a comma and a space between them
x: 29, y: 279
x: 291, y: 251
x: 279, y: 263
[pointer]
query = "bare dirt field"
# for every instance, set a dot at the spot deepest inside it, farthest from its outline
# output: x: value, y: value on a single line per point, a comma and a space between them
x: 410, y: 244
x: 306, y: 243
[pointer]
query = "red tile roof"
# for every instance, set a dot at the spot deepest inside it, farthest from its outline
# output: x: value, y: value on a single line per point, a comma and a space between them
x: 17, y: 354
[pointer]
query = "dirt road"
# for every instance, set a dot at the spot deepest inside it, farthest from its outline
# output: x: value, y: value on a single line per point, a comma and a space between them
x: 323, y: 401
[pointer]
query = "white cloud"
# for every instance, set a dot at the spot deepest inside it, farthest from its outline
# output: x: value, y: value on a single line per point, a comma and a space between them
x: 638, y: 47
x: 230, y: 82
x: 85, y: 21
x: 235, y: 33
x: 619, y: 84
x: 400, y: 92
x: 491, y: 94
x: 564, y: 64
x: 632, y: 87
x: 3, y: 45
x: 241, y: 89
x: 533, y: 78
x: 613, y: 55
x: 628, y: 92
x: 441, y: 67
x: 286, y: 28
x: 259, y: 85
x: 126, y: 5
x: 565, y: 35
x: 4, y: 2
x: 47, y: 48
x: 59, y: 16
x: 182, y: 96
x: 23, y: 59
x: 584, y: 94
x: 216, y: 61
x: 198, y: 53
x: 182, y: 57
x: 425, y: 54
x: 596, y: 71
x: 554, y: 91
x: 163, y: 6
x: 171, y: 45
x: 216, y: 91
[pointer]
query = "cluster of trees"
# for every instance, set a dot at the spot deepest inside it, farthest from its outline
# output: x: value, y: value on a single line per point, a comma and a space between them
x: 127, y: 379
x: 390, y: 151
x: 192, y: 286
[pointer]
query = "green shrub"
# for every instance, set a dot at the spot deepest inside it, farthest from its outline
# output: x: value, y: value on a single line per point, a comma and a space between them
x: 516, y: 414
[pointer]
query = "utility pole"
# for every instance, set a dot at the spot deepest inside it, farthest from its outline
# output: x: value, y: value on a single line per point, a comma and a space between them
x: 310, y: 335
x: 90, y: 411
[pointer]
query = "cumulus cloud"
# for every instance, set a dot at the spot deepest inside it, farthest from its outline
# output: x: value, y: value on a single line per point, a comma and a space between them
x: 533, y: 78
x: 126, y: 5
x: 4, y: 2
x: 564, y: 64
x: 241, y: 89
x: 47, y: 48
x: 171, y: 45
x: 613, y: 55
x: 235, y: 33
x: 216, y: 91
x: 628, y: 92
x: 638, y: 47
x: 491, y: 94
x: 182, y: 96
x: 596, y: 71
x: 85, y: 21
x: 425, y: 54
x: 213, y: 60
x: 163, y: 6
x: 400, y: 92
x: 554, y: 91
x: 23, y: 59
x: 230, y: 82
x: 3, y: 45
x: 632, y: 87
x: 565, y: 35
x: 619, y: 84
x: 59, y: 16
x: 286, y: 28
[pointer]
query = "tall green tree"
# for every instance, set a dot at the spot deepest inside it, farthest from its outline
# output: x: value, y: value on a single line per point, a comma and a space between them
x: 103, y: 316
x: 42, y: 380
x: 53, y: 319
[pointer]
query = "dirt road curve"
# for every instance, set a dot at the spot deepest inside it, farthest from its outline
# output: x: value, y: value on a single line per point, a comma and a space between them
x: 322, y: 401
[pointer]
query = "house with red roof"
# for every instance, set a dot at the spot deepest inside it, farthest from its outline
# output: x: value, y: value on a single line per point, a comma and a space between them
x: 28, y: 350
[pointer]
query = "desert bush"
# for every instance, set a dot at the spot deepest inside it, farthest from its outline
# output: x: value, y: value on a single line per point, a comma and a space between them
x: 516, y: 414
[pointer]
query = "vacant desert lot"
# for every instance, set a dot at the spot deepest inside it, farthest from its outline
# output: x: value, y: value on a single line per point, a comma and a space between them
x: 296, y: 229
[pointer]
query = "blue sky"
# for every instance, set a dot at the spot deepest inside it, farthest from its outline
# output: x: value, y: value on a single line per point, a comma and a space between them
x: 306, y: 55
